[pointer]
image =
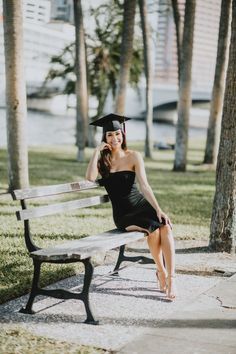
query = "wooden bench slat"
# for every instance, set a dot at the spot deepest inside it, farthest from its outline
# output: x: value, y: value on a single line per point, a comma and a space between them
x: 88, y: 246
x: 43, y: 191
x: 37, y: 212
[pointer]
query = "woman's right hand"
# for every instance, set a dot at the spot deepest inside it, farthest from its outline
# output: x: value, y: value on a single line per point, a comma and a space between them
x: 92, y: 169
x: 103, y: 146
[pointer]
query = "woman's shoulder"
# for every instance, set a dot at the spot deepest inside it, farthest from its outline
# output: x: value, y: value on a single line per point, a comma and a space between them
x: 134, y: 154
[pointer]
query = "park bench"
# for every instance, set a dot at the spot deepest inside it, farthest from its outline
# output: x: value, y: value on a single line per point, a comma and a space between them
x: 76, y: 250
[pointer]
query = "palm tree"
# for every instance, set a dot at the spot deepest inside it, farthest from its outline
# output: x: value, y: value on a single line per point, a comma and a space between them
x: 126, y: 54
x: 148, y: 74
x: 179, y: 33
x: 184, y: 102
x: 223, y: 220
x: 103, y: 53
x: 219, y: 85
x: 15, y: 95
x: 81, y: 82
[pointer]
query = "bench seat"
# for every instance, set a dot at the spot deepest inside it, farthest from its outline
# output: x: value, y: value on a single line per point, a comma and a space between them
x: 87, y: 246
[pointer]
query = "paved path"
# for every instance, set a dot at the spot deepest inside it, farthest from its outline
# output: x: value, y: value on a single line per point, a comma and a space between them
x: 136, y: 318
x: 207, y: 325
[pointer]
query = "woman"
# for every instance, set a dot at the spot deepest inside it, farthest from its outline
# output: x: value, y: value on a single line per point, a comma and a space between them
x: 132, y: 210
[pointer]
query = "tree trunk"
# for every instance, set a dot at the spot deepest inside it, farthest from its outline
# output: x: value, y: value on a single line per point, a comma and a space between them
x: 184, y: 102
x: 212, y: 142
x: 148, y: 74
x: 223, y: 221
x: 179, y: 33
x: 81, y: 82
x: 16, y: 109
x: 100, y: 110
x: 126, y: 54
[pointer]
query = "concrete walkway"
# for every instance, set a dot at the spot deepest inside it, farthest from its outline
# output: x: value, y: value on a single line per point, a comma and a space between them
x: 208, y: 325
x: 135, y: 317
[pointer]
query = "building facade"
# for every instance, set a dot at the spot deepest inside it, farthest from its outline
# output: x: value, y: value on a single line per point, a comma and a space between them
x: 48, y: 29
x: 43, y: 38
x: 206, y: 29
x: 62, y: 10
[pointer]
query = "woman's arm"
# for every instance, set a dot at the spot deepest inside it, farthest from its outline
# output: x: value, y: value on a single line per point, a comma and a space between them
x: 92, y: 169
x: 145, y: 187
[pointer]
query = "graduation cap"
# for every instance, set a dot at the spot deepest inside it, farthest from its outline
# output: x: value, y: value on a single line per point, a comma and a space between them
x: 111, y: 122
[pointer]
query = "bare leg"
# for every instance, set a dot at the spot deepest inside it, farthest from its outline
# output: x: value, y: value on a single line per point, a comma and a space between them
x: 154, y: 243
x: 136, y: 228
x: 167, y: 244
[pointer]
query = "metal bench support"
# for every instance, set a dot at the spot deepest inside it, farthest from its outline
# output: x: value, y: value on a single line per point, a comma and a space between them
x: 122, y: 258
x: 61, y: 293
x: 34, y: 290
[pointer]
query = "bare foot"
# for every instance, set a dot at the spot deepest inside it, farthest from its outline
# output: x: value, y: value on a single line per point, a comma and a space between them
x: 161, y: 279
x: 171, y: 288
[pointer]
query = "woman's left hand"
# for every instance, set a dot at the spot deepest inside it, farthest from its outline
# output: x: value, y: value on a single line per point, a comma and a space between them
x: 161, y: 215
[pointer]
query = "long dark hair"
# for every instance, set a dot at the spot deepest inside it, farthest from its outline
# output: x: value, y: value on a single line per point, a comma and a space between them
x: 104, y: 163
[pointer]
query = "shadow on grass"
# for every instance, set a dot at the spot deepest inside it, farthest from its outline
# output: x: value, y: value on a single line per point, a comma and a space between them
x: 71, y: 161
x: 204, y: 249
x: 24, y: 275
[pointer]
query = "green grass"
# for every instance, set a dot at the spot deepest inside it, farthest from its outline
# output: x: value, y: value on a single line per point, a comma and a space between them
x: 186, y: 197
x: 14, y: 340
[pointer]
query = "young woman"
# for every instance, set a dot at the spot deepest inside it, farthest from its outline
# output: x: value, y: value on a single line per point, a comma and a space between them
x: 119, y: 167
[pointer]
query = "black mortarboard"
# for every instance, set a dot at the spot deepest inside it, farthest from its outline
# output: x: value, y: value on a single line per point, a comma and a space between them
x: 110, y: 122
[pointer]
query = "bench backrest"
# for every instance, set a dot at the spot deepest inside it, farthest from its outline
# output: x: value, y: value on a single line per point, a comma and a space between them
x: 53, y: 190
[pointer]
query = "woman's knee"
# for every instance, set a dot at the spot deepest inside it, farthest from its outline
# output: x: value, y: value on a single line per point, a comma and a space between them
x: 155, y: 233
x: 166, y: 229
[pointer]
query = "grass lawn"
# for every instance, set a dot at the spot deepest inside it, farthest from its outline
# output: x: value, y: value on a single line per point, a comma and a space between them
x: 18, y: 341
x: 186, y: 197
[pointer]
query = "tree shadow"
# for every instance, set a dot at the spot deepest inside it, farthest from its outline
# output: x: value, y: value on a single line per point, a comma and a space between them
x: 204, y: 249
x: 62, y: 318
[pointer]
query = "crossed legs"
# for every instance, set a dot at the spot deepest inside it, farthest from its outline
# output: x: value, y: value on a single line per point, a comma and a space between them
x: 160, y: 242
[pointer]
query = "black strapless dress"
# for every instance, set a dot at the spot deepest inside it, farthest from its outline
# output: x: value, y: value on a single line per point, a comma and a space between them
x: 129, y: 205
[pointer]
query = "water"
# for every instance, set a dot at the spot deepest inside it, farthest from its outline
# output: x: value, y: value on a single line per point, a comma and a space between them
x: 46, y: 129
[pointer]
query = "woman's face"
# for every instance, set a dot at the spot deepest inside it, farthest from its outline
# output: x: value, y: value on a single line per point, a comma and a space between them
x: 114, y: 139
